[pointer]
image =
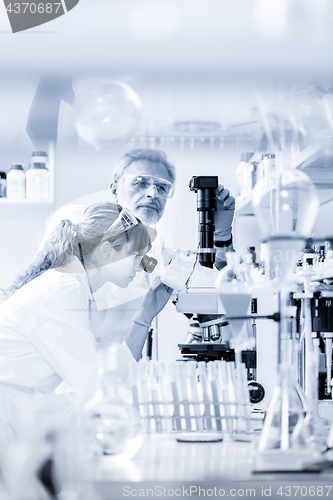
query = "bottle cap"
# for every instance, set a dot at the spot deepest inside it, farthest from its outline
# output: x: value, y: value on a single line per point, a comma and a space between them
x: 39, y: 153
x: 2, y: 175
x: 309, y: 246
x: 37, y: 165
x: 16, y: 166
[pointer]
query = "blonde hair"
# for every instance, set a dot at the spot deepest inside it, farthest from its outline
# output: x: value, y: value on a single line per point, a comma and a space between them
x: 65, y: 241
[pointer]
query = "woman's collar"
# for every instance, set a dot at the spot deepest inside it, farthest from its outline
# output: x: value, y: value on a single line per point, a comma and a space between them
x: 73, y: 267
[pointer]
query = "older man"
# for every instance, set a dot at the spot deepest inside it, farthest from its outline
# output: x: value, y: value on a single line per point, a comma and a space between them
x: 143, y: 181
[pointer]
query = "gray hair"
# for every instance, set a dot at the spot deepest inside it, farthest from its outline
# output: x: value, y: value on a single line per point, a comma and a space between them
x: 152, y: 155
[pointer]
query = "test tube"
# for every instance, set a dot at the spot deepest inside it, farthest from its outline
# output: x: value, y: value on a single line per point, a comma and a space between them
x: 195, y: 396
x: 203, y: 379
x: 185, y: 397
x: 211, y: 369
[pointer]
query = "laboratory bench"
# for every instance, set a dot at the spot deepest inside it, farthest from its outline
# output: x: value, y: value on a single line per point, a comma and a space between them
x: 164, y: 465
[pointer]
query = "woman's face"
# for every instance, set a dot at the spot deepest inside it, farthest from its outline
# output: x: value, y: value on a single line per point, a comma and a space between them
x: 121, y: 267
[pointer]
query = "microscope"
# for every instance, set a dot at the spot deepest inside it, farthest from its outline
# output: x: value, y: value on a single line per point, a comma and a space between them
x: 209, y: 333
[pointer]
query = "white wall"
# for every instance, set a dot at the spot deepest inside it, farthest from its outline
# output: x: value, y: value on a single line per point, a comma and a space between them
x: 81, y: 171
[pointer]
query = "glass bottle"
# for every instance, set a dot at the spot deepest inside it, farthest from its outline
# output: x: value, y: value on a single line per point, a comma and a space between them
x: 37, y: 182
x: 16, y: 182
x: 3, y: 184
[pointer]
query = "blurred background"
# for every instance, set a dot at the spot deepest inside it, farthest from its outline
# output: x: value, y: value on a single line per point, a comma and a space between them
x: 204, y: 81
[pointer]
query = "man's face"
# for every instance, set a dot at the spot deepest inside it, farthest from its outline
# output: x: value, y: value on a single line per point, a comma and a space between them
x: 146, y: 205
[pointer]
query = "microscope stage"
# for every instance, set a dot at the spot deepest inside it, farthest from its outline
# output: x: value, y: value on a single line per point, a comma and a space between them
x: 210, y: 352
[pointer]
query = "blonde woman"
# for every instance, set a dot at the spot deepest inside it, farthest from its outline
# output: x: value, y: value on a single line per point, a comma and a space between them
x: 45, y: 334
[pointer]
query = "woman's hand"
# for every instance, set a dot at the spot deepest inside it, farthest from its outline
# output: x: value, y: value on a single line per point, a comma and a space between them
x: 153, y: 303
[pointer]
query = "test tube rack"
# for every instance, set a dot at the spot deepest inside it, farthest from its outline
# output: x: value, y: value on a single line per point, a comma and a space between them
x: 190, y: 396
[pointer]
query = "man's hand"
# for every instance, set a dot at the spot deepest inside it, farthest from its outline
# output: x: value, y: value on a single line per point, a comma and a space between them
x: 153, y: 303
x: 223, y: 217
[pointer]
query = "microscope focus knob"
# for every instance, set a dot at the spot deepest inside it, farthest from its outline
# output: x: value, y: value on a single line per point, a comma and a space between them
x: 256, y: 391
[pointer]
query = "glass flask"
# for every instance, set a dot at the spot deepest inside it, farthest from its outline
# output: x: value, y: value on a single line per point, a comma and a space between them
x: 286, y: 205
x: 107, y: 114
x: 109, y: 424
x: 286, y: 202
x: 292, y: 435
x: 287, y: 407
x: 234, y: 289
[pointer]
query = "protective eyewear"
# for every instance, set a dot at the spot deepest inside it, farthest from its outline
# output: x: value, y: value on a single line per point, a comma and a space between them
x: 142, y: 183
x: 124, y: 220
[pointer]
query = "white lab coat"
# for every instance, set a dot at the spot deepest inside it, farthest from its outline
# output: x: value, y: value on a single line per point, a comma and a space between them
x: 45, y: 338
x: 45, y: 334
x: 121, y: 303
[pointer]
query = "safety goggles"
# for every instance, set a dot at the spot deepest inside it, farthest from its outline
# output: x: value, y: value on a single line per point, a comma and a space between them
x: 143, y: 183
x: 124, y: 221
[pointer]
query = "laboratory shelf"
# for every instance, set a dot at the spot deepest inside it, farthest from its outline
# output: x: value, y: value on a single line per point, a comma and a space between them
x: 24, y: 201
x: 38, y: 203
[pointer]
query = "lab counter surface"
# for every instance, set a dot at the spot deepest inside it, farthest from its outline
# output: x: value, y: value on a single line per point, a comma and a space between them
x: 164, y: 467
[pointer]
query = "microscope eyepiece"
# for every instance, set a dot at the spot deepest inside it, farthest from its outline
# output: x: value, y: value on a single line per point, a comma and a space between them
x: 205, y: 187
x: 148, y: 264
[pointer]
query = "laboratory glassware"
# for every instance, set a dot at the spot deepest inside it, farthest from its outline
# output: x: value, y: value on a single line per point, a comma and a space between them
x: 110, y: 424
x: 286, y: 205
x: 234, y: 290
x: 16, y: 182
x: 37, y: 182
